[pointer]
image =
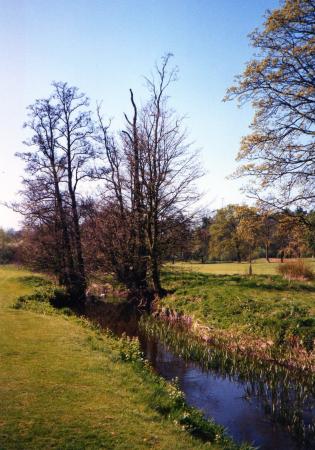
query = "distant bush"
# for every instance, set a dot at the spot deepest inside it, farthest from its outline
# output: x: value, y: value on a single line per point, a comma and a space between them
x: 296, y: 270
x: 7, y: 255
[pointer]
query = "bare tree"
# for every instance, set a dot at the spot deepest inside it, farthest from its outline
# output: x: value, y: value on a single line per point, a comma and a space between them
x: 150, y: 174
x: 42, y: 197
x: 120, y: 217
x: 58, y: 160
x: 169, y: 168
x: 74, y: 141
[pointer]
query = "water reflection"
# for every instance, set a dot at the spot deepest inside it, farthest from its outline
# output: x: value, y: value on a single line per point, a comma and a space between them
x: 283, y: 396
x: 261, y: 403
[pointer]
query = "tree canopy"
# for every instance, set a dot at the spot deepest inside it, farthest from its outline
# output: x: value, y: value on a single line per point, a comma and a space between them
x: 279, y: 81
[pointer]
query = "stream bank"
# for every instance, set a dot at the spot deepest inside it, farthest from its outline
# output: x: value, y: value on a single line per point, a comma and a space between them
x: 259, y: 401
x: 293, y: 356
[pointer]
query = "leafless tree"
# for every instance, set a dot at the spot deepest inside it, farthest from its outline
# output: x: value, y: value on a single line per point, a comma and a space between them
x: 59, y: 159
x: 150, y: 174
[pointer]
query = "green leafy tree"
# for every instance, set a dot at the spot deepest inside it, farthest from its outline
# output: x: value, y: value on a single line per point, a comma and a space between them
x: 291, y: 236
x: 202, y: 239
x: 310, y: 235
x: 249, y: 231
x: 225, y: 242
x: 267, y: 231
x: 280, y: 83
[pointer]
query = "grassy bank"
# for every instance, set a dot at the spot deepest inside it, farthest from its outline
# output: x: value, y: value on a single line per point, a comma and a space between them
x: 265, y: 307
x: 65, y: 385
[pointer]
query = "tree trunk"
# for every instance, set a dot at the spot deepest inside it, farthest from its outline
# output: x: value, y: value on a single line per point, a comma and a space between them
x: 267, y: 252
x: 67, y: 251
x: 139, y: 232
x: 156, y: 277
x: 80, y: 283
x: 250, y: 270
x: 79, y: 279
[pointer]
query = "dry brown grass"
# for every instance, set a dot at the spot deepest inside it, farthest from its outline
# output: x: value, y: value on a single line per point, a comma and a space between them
x: 296, y: 270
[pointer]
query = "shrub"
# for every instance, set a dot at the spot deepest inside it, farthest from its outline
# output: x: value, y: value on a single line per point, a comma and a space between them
x: 50, y: 294
x: 7, y: 255
x: 296, y: 270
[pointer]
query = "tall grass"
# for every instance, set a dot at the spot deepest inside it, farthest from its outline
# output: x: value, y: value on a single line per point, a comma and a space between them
x: 296, y: 270
x: 283, y: 393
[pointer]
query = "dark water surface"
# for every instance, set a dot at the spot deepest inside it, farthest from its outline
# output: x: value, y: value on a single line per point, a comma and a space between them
x: 234, y: 401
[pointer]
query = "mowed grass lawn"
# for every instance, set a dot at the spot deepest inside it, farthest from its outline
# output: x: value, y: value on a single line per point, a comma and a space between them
x: 56, y: 391
x: 223, y: 297
x: 260, y: 267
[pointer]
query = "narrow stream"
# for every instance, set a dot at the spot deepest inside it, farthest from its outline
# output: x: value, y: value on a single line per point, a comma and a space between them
x: 261, y: 409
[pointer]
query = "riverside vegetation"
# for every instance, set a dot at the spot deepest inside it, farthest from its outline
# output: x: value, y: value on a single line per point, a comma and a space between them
x: 257, y: 330
x: 285, y: 395
x: 262, y: 312
x: 77, y: 387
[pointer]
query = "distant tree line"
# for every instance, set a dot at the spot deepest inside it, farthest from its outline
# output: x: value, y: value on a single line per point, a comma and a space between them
x: 235, y: 233
x: 9, y: 245
x: 242, y: 233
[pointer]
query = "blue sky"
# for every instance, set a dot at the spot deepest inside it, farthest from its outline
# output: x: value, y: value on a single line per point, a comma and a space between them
x: 105, y: 47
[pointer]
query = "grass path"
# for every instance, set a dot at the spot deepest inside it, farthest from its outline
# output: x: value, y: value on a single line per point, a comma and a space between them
x: 57, y: 392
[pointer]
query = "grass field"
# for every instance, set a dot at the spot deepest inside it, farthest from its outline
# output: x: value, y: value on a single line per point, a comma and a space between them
x: 59, y: 391
x: 260, y: 267
x: 265, y: 305
x: 62, y: 387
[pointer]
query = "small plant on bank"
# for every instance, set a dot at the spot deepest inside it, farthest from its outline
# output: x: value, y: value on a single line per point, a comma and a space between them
x: 296, y: 270
x: 129, y: 349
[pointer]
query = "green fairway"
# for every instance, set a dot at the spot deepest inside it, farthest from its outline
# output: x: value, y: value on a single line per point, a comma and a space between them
x: 260, y: 267
x: 59, y: 391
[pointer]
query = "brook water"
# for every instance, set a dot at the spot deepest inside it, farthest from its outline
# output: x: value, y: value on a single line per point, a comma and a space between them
x: 269, y: 407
